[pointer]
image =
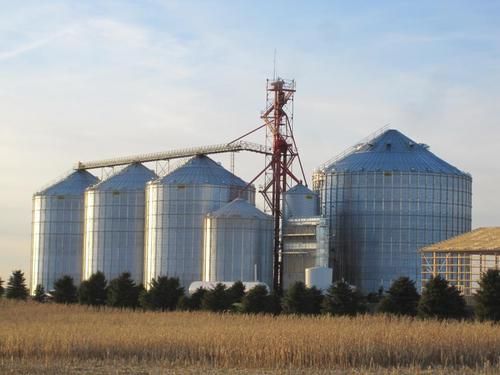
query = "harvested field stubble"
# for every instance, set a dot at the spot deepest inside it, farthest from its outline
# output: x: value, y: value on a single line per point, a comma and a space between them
x: 44, y: 333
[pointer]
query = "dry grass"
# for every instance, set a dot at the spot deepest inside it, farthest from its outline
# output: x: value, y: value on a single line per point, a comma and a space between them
x: 73, y: 336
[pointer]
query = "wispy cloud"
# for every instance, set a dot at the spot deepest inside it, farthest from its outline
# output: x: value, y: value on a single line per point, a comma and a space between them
x: 427, y: 38
x: 34, y: 45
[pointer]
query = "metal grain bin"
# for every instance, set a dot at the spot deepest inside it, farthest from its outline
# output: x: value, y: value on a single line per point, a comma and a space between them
x: 57, y: 231
x: 114, y: 224
x: 175, y: 208
x: 238, y: 244
x: 385, y: 200
x: 300, y: 202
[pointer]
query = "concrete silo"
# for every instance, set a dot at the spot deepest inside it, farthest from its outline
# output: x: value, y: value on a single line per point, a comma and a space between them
x: 175, y: 209
x: 57, y: 230
x: 114, y: 224
x: 385, y: 200
x: 238, y: 244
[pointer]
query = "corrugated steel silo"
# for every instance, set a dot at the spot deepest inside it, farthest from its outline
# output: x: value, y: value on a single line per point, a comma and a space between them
x: 300, y: 202
x: 57, y: 231
x: 385, y: 200
x: 175, y: 208
x: 238, y: 244
x: 114, y: 224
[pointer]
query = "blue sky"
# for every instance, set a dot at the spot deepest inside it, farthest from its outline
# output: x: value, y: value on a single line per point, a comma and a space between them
x: 96, y: 79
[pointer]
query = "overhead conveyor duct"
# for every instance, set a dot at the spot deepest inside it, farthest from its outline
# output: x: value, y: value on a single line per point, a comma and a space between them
x: 176, y: 154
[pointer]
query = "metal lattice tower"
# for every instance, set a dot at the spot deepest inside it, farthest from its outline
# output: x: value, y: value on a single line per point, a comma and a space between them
x: 278, y: 117
x: 278, y: 174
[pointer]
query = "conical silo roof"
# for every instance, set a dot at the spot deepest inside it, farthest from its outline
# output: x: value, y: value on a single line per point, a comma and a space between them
x: 393, y: 151
x: 74, y: 183
x: 299, y: 189
x: 239, y: 208
x: 202, y: 170
x: 134, y: 176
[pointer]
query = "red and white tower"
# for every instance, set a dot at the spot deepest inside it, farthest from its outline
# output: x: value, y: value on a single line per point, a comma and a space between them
x: 278, y: 173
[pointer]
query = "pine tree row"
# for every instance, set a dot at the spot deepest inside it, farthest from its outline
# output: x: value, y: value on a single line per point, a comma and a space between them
x: 439, y: 299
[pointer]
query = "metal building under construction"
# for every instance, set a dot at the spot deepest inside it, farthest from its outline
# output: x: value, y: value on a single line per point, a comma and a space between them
x: 463, y: 259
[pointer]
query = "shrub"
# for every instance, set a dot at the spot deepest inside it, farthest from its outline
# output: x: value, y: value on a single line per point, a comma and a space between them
x: 16, y: 287
x: 257, y: 300
x: 375, y: 297
x: 216, y: 299
x: 236, y: 292
x: 275, y: 307
x: 2, y: 290
x: 401, y: 299
x: 488, y: 296
x: 193, y: 302
x: 342, y: 299
x: 123, y: 292
x: 441, y: 300
x: 65, y: 290
x: 299, y: 299
x: 39, y: 294
x: 93, y: 291
x: 163, y: 295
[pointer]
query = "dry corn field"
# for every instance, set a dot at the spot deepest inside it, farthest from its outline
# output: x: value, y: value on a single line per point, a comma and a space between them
x: 34, y: 337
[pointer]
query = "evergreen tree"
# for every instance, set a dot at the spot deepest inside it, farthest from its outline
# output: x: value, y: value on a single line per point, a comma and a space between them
x: 316, y: 300
x: 216, y: 299
x: 275, y: 306
x: 144, y: 300
x: 375, y: 297
x: 299, y: 299
x: 441, y: 300
x: 39, y: 293
x: 93, y: 291
x: 123, y: 292
x: 401, y: 299
x: 16, y: 287
x: 488, y: 296
x: 65, y: 290
x: 193, y: 302
x: 257, y: 300
x: 236, y: 292
x: 163, y: 295
x: 1, y: 288
x: 342, y: 299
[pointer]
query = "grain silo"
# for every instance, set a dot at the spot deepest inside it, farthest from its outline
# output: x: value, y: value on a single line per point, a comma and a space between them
x: 114, y: 224
x: 175, y: 208
x: 300, y: 201
x: 386, y: 199
x: 238, y: 244
x: 57, y: 230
